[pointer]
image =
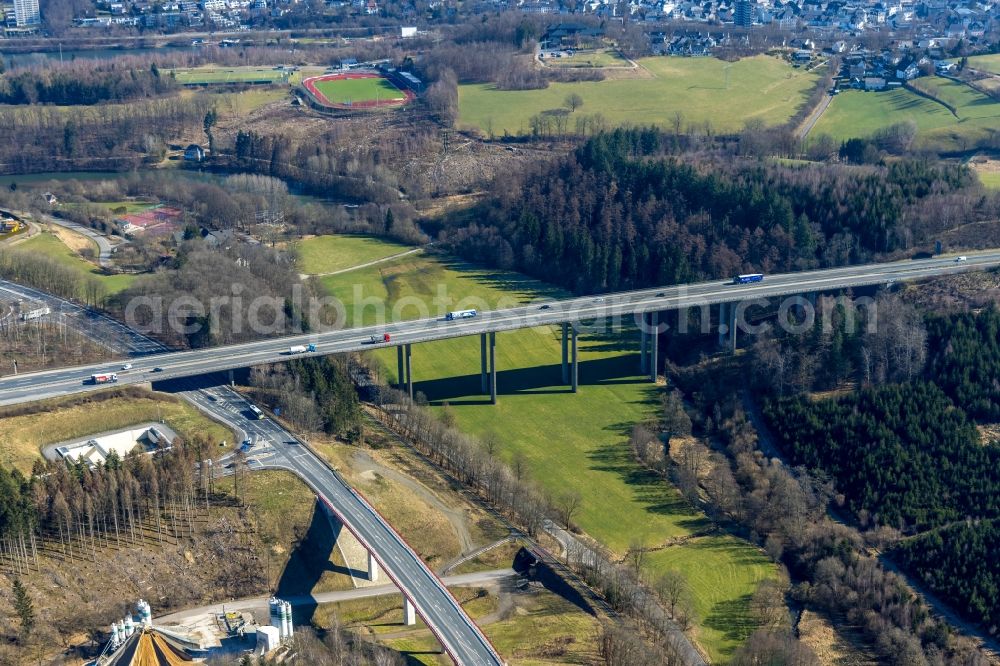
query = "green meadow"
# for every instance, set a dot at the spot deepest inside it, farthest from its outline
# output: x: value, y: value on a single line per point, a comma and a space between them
x: 855, y: 113
x: 699, y: 89
x: 325, y: 254
x: 568, y: 442
x: 48, y: 245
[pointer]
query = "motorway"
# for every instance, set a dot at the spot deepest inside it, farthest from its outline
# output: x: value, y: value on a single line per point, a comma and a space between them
x: 66, y: 381
x: 99, y: 328
x: 273, y: 447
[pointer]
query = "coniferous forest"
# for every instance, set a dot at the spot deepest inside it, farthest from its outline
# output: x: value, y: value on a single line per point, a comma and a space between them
x: 959, y: 563
x: 909, y: 456
x: 624, y: 211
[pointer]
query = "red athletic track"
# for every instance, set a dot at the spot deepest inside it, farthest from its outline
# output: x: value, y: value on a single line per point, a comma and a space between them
x: 310, y: 85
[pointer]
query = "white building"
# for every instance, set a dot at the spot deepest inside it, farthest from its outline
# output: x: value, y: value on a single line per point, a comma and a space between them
x: 26, y: 13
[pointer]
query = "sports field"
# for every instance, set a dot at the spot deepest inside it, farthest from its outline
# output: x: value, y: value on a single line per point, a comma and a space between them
x: 595, y: 58
x: 857, y: 114
x: 701, y: 90
x: 210, y: 74
x: 355, y: 90
x: 567, y: 442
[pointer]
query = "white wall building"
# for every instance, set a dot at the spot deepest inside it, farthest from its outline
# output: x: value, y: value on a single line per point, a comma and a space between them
x: 26, y: 13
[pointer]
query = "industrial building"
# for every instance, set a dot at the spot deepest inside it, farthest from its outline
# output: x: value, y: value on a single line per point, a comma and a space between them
x: 95, y: 450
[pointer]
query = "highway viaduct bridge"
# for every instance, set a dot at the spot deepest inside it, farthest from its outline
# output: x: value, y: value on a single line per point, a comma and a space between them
x: 424, y: 592
x: 566, y: 313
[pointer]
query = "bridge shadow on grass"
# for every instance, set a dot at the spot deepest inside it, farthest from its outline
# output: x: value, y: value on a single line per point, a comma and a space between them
x: 733, y: 619
x: 537, y: 380
x: 650, y: 490
x: 309, y: 561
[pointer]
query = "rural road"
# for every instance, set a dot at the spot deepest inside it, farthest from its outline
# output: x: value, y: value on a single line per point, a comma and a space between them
x: 260, y: 603
x: 103, y: 244
x: 807, y: 126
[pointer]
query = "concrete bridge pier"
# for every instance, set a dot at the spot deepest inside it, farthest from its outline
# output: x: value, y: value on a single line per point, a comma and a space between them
x: 565, y: 353
x: 409, y: 613
x: 575, y: 372
x: 372, y: 568
x: 643, y: 347
x: 409, y: 372
x: 400, y: 373
x: 654, y: 345
x: 733, y: 309
x: 493, y: 368
x: 482, y: 362
x: 723, y: 319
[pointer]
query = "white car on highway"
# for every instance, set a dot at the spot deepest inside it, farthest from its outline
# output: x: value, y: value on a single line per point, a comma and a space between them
x: 127, y: 366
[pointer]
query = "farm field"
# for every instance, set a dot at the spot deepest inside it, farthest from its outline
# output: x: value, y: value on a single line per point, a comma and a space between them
x: 857, y: 114
x: 568, y: 442
x: 48, y: 245
x: 211, y: 74
x: 727, y: 94
x: 22, y: 437
x: 347, y: 91
x: 986, y: 63
x: 325, y: 254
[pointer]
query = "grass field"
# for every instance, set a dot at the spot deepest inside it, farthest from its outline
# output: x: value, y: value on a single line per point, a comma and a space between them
x: 569, y: 442
x: 700, y: 89
x: 211, y: 74
x: 990, y: 179
x: 22, y: 437
x: 302, y: 557
x: 541, y: 629
x: 325, y: 254
x: 345, y: 91
x: 48, y: 245
x: 589, y: 59
x: 857, y: 114
x: 987, y: 63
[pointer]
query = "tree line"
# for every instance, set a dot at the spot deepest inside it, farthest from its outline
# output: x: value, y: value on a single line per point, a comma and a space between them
x: 74, y: 509
x: 83, y: 84
x: 102, y: 137
x: 219, y: 295
x: 314, y: 394
x: 621, y: 212
x: 908, y: 455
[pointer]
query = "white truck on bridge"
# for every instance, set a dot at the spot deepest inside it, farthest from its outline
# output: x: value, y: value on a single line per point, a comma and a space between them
x: 301, y: 349
x: 460, y: 314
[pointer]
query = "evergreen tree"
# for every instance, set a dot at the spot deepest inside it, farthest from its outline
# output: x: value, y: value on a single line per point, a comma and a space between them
x: 25, y: 610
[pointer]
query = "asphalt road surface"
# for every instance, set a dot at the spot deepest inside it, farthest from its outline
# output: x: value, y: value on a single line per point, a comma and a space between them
x: 260, y: 603
x: 103, y: 244
x: 273, y: 447
x: 100, y: 328
x: 50, y: 383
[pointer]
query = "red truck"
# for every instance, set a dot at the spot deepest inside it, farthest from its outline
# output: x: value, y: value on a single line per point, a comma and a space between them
x: 104, y: 378
x: 375, y: 339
